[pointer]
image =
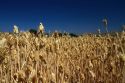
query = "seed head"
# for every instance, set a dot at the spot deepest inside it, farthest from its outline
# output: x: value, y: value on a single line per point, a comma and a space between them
x: 3, y: 42
x: 123, y: 57
x: 15, y: 30
x: 92, y: 74
x: 40, y: 28
x: 105, y: 22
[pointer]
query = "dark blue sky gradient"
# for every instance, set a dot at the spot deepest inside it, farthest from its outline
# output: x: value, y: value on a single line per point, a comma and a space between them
x: 63, y: 15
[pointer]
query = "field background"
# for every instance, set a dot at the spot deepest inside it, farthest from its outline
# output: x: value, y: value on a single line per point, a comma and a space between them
x: 25, y: 58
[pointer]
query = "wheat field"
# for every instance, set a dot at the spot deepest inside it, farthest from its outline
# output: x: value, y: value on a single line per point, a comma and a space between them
x: 26, y: 58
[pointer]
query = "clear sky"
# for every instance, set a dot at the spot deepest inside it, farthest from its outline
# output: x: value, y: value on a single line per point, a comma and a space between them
x: 63, y: 15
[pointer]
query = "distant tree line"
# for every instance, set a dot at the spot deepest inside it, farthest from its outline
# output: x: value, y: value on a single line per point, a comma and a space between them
x: 56, y: 33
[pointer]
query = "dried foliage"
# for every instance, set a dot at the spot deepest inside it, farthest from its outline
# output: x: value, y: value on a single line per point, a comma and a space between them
x: 25, y: 58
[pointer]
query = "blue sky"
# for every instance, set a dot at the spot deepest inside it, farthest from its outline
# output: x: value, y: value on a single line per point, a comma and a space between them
x: 64, y: 15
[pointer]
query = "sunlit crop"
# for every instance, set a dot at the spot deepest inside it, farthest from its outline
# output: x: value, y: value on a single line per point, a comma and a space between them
x: 26, y: 58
